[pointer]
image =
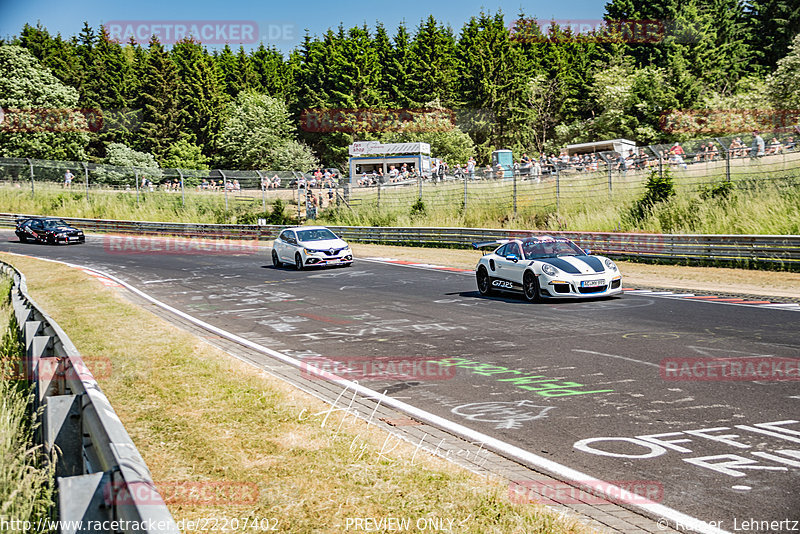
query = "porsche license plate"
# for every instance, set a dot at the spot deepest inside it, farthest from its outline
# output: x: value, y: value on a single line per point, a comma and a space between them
x: 592, y: 283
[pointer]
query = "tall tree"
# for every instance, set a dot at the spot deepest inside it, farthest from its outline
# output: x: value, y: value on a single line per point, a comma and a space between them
x: 773, y: 24
x: 55, y: 53
x: 40, y: 116
x: 629, y: 16
x: 228, y: 68
x: 106, y: 92
x: 783, y: 85
x: 158, y: 101
x: 492, y: 86
x: 245, y: 76
x: 272, y: 72
x: 434, y: 69
x: 200, y: 97
x: 258, y: 134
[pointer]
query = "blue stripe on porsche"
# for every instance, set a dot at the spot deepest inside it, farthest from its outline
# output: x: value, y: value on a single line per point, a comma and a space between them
x: 558, y: 263
x: 592, y: 262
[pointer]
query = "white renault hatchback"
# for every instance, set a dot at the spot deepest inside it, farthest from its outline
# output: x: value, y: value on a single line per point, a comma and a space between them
x: 310, y: 246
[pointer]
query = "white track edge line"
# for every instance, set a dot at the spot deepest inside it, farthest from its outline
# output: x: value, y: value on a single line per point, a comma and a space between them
x: 614, y: 493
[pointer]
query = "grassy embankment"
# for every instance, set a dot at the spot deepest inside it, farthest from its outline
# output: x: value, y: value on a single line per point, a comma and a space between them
x: 764, y: 199
x: 200, y: 416
x: 26, y: 477
x: 758, y: 206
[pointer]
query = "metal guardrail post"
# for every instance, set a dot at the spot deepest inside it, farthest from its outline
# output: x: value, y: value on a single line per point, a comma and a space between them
x: 515, y: 195
x: 378, y: 205
x: 183, y: 190
x: 100, y: 475
x: 610, y: 180
x: 224, y: 186
x: 30, y: 164
x: 558, y: 189
x: 465, y: 193
x: 86, y: 177
x: 263, y: 191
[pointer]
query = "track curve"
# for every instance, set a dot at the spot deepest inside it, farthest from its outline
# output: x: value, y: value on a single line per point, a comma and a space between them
x: 584, y: 384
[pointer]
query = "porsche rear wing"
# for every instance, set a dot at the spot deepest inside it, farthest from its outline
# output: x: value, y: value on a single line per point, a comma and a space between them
x: 485, y: 244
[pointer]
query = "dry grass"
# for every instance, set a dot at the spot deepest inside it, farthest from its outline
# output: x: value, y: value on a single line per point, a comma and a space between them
x: 199, y: 416
x: 26, y: 478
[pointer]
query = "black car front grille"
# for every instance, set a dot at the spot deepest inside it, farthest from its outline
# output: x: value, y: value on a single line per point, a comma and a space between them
x: 595, y: 289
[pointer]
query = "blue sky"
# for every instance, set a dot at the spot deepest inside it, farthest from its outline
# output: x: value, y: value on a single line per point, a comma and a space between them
x: 282, y: 24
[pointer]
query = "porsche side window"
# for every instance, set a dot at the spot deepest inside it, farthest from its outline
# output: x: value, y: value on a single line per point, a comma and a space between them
x: 502, y: 251
x: 513, y: 248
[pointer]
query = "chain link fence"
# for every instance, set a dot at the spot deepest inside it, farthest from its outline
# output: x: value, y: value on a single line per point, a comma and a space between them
x: 541, y: 185
x: 591, y: 178
x: 214, y: 189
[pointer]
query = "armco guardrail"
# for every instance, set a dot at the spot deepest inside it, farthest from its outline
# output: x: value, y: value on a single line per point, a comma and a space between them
x: 781, y: 251
x: 101, y: 476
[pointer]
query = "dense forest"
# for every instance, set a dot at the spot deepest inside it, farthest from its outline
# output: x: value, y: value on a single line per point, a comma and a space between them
x: 498, y: 82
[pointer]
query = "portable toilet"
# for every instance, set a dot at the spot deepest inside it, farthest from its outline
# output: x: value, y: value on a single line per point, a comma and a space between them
x: 505, y: 159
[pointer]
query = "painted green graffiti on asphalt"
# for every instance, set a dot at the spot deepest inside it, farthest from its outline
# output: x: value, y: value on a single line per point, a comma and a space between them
x: 539, y: 384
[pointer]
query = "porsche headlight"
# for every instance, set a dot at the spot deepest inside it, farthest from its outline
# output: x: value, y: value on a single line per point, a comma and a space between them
x: 611, y: 265
x: 548, y: 269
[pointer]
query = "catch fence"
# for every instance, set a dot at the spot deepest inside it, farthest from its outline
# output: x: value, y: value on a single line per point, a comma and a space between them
x: 589, y: 179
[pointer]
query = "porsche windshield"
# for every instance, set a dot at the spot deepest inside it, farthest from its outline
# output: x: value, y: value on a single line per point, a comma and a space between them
x: 535, y: 249
x: 320, y: 234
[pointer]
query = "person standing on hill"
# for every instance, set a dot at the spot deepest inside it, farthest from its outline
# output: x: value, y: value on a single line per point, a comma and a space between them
x: 758, y: 145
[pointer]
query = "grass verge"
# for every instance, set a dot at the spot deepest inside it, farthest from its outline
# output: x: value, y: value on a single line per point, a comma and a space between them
x: 761, y: 200
x: 26, y: 477
x: 229, y: 442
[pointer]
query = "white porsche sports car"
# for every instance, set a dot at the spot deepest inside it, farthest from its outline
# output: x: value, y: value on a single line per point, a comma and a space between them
x: 307, y: 246
x: 546, y: 267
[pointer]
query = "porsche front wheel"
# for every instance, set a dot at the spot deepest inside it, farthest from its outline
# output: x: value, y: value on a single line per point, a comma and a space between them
x: 484, y: 282
x: 530, y: 287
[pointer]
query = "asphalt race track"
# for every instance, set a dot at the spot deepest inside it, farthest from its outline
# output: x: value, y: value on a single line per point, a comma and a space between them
x: 636, y: 389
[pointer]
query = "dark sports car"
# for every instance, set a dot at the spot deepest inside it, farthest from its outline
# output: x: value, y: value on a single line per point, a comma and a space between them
x: 47, y: 230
